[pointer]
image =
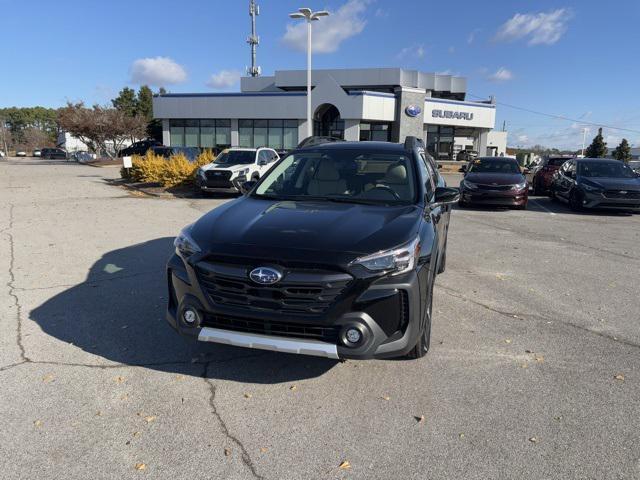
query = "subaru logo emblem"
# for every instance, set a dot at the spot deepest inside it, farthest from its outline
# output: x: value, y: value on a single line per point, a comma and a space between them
x: 265, y: 275
x: 623, y: 192
x: 413, y: 110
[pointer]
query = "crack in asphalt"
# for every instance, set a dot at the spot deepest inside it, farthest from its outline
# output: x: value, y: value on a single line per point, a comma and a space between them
x: 246, y: 458
x: 93, y: 283
x: 11, y: 285
x: 519, y: 315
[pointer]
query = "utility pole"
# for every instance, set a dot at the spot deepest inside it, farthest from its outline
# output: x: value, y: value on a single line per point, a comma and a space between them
x: 253, y: 40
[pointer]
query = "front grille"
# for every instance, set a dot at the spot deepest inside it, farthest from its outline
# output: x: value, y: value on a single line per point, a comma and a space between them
x: 299, y: 292
x: 494, y: 187
x: 218, y: 174
x: 280, y: 329
x: 631, y: 195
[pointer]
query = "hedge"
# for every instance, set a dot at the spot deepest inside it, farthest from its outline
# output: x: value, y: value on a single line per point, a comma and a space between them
x: 168, y: 172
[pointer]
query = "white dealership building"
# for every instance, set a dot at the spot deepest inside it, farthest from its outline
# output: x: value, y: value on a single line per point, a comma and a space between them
x: 355, y: 104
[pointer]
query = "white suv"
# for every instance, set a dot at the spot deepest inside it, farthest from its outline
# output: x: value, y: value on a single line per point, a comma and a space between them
x: 233, y: 167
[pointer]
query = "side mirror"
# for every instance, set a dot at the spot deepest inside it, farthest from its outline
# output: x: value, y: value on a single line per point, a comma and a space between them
x: 445, y: 196
x: 262, y: 162
x: 246, y: 187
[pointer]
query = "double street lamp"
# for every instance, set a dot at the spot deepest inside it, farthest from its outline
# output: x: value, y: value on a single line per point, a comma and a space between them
x: 309, y: 16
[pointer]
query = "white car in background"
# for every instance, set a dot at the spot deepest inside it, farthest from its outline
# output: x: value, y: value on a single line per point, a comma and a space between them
x: 233, y: 167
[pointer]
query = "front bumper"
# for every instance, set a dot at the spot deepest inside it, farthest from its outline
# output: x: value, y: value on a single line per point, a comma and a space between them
x: 221, y: 186
x: 599, y: 200
x: 368, y: 308
x: 505, y: 198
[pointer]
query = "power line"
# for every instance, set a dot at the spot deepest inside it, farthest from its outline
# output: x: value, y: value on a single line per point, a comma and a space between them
x: 560, y: 117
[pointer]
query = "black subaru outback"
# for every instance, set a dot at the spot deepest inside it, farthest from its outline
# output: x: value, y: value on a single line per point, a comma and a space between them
x: 333, y: 252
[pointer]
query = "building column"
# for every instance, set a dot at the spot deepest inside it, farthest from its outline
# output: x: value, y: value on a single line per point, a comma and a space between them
x: 482, y: 142
x: 352, y: 130
x: 166, y: 132
x: 235, y: 136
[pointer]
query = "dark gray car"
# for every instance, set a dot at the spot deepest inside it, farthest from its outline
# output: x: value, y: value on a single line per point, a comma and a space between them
x: 597, y: 183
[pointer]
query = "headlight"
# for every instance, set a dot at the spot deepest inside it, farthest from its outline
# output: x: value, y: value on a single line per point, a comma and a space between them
x: 519, y: 186
x: 185, y: 245
x: 469, y: 185
x: 398, y: 260
x: 591, y: 188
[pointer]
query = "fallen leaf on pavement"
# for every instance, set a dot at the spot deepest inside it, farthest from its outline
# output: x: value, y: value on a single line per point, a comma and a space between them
x: 47, y: 378
x: 38, y: 423
x: 533, y: 440
x: 247, y: 395
x: 140, y: 466
x: 385, y: 398
x: 619, y: 376
x: 150, y: 418
x: 293, y: 387
x: 507, y: 340
x: 419, y: 419
x: 539, y: 358
x: 136, y: 434
x: 227, y: 452
x: 461, y: 435
x: 119, y: 379
x: 345, y: 465
x: 263, y: 450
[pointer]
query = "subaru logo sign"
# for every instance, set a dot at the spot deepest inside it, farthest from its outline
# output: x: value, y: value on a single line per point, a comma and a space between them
x: 413, y: 110
x: 265, y: 275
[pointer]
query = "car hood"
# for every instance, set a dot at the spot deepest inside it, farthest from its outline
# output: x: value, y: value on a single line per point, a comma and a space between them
x: 306, y: 225
x: 612, y: 183
x: 219, y: 166
x: 495, y: 178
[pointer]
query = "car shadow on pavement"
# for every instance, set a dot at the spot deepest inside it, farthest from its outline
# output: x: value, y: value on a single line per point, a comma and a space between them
x: 118, y: 313
x: 549, y: 205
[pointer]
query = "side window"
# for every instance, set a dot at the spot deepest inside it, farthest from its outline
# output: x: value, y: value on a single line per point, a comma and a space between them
x: 273, y: 155
x: 427, y: 174
x: 263, y: 157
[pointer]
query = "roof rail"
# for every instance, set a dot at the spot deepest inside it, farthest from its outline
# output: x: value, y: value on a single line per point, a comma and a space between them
x: 317, y: 140
x: 412, y: 142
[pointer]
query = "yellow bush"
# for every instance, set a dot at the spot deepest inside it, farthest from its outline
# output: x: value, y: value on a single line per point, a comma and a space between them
x: 172, y: 172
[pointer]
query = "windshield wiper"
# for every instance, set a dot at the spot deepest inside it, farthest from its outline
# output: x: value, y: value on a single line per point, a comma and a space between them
x: 361, y: 201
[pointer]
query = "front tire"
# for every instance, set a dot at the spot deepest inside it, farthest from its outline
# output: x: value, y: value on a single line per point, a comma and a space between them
x: 424, y: 340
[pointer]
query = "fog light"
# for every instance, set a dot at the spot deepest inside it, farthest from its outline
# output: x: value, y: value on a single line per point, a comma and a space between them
x: 190, y: 316
x: 353, y: 335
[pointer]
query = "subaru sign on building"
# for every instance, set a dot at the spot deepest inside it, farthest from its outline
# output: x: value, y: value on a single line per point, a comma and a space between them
x: 385, y: 104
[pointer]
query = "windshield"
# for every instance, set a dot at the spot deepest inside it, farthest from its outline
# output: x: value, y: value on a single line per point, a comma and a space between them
x: 236, y: 157
x: 556, y: 162
x: 491, y: 165
x: 605, y: 170
x: 344, y: 175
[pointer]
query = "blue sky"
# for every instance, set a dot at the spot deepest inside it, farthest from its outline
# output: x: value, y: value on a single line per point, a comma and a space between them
x: 578, y: 59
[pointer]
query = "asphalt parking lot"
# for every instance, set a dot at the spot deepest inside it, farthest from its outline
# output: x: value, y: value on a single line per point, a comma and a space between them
x: 534, y: 369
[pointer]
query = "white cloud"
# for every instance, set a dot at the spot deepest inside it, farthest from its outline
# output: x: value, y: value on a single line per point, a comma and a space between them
x: 501, y: 75
x: 329, y: 32
x: 539, y: 28
x: 158, y: 71
x: 224, y: 79
x: 472, y: 36
x: 414, y: 51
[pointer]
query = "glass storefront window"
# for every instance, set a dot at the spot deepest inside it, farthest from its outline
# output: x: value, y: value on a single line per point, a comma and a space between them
x: 275, y: 133
x: 378, y: 131
x: 268, y: 133
x: 176, y: 132
x: 207, y: 133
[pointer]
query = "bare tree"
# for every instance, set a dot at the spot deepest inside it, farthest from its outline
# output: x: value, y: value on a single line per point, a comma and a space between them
x: 101, y: 129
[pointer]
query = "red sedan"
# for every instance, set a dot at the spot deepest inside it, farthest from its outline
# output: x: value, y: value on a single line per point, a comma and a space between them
x: 543, y: 176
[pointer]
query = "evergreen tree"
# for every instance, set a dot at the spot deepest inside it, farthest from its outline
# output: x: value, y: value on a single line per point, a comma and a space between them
x: 126, y: 102
x: 145, y: 102
x: 598, y: 147
x: 622, y: 151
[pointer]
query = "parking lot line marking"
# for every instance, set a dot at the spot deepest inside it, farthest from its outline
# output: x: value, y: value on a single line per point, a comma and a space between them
x: 543, y: 207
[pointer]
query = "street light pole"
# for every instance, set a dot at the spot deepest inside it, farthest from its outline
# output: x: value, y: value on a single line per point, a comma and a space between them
x: 584, y: 138
x: 309, y: 16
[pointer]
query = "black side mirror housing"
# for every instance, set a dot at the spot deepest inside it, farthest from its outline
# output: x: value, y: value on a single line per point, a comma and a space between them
x: 262, y: 162
x: 246, y: 187
x: 445, y: 196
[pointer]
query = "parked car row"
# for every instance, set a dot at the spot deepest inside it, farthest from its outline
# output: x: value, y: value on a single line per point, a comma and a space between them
x: 581, y: 182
